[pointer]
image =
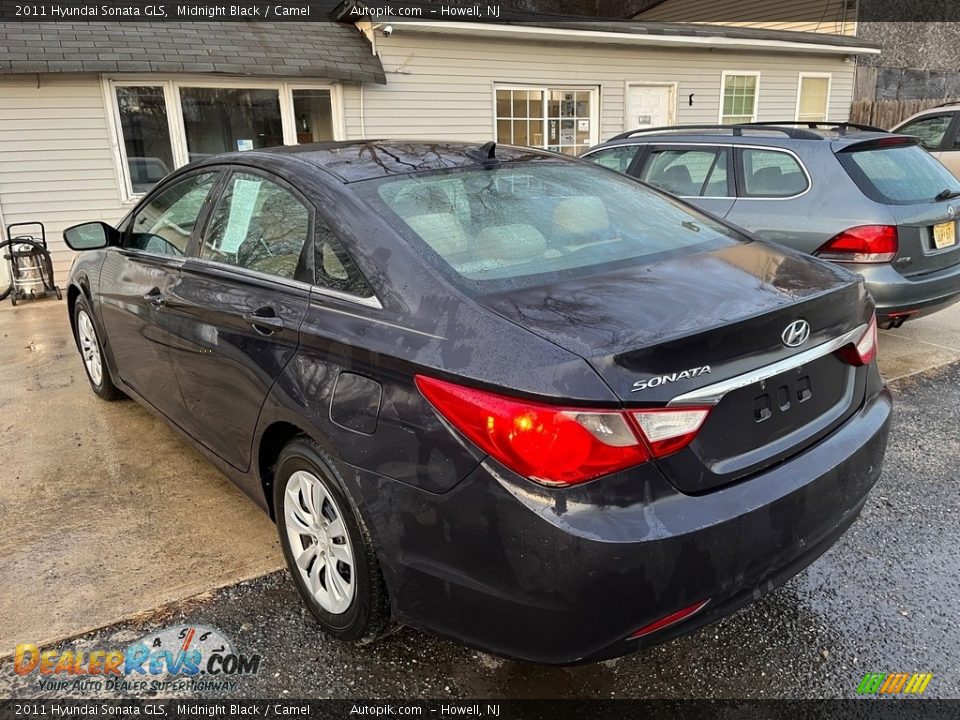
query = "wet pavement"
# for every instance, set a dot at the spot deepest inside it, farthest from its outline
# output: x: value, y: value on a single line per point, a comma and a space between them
x: 105, y: 511
x: 886, y: 598
x: 122, y: 525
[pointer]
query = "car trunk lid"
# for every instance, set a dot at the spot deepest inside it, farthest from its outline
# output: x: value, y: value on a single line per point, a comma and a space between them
x: 659, y: 331
x: 927, y: 237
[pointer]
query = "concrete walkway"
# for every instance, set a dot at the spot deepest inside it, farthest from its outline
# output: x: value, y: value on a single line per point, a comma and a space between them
x: 106, y: 513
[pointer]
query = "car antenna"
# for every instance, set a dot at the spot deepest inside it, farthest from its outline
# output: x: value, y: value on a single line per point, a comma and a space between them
x: 486, y: 154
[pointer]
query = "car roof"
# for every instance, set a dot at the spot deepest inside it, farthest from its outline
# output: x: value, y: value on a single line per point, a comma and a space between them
x: 773, y: 134
x: 357, y: 160
x: 935, y: 110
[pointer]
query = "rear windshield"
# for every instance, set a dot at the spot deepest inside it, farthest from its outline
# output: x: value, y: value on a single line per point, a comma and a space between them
x: 495, y: 229
x: 899, y: 175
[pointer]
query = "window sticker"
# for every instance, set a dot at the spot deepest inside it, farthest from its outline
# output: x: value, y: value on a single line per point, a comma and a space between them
x: 243, y: 200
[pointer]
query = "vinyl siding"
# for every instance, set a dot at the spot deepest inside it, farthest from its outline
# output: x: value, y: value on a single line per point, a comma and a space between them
x: 827, y: 16
x: 56, y: 157
x: 445, y: 89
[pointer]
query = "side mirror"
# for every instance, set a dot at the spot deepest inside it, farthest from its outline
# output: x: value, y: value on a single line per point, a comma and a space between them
x: 88, y: 236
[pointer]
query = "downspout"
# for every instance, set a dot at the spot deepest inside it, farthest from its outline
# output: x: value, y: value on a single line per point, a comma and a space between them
x: 371, y: 34
x: 363, y: 126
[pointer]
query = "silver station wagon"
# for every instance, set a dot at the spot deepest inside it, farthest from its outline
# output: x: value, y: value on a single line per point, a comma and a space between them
x: 874, y: 201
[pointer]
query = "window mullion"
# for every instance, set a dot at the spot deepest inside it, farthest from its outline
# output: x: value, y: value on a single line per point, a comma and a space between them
x: 288, y: 121
x: 178, y: 134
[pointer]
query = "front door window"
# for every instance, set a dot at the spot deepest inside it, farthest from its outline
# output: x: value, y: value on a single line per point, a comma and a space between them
x: 164, y: 225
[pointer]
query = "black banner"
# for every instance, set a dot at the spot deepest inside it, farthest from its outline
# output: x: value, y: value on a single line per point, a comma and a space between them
x: 824, y: 14
x: 487, y: 709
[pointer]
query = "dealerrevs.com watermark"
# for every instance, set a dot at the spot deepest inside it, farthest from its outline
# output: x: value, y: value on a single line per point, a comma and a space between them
x: 173, y: 659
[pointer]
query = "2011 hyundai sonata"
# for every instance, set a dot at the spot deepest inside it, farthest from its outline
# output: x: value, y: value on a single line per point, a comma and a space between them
x: 512, y: 397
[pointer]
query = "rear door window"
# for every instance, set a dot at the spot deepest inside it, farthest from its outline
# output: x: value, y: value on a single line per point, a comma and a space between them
x: 258, y: 225
x: 900, y: 174
x: 770, y: 174
x: 931, y: 129
x: 688, y: 172
x: 618, y: 157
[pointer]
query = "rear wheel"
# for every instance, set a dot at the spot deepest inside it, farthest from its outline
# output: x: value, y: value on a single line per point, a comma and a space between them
x: 92, y: 353
x: 327, y: 547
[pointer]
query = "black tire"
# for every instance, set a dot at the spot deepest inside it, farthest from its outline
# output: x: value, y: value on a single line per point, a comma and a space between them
x: 368, y: 616
x: 105, y: 389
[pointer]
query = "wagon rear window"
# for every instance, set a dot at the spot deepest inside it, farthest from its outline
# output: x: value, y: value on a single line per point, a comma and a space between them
x: 533, y: 223
x: 901, y: 175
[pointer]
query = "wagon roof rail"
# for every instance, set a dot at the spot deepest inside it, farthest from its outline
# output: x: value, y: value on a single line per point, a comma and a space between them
x: 736, y: 130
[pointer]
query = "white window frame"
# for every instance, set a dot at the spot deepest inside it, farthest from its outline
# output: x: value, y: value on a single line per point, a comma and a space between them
x: 171, y: 84
x: 594, y: 91
x: 724, y: 74
x: 800, y: 78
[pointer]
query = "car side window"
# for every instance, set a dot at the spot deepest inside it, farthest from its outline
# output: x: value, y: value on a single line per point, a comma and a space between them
x: 771, y: 174
x: 334, y: 269
x: 930, y: 130
x: 258, y: 225
x: 164, y: 225
x: 693, y: 172
x: 616, y: 158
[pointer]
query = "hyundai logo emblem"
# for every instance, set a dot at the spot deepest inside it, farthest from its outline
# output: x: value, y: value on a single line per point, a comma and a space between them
x: 796, y: 333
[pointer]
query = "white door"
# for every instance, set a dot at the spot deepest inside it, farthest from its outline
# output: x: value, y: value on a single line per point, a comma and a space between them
x: 649, y: 106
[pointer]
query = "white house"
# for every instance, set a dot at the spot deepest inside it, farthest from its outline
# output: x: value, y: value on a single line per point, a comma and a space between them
x: 91, y: 115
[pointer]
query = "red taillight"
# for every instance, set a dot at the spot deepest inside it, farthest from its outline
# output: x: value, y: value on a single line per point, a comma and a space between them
x: 863, y: 244
x: 864, y: 350
x: 671, y: 619
x: 560, y: 445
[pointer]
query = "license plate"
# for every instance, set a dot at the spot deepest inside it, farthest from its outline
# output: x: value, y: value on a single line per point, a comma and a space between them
x: 945, y: 234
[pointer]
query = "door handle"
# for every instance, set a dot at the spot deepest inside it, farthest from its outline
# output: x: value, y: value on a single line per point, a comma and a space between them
x: 264, y: 320
x: 155, y: 298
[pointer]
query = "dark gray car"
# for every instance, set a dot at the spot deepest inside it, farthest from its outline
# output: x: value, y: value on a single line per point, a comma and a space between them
x: 874, y: 201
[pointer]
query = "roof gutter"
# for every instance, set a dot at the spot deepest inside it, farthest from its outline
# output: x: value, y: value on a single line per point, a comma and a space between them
x: 529, y: 32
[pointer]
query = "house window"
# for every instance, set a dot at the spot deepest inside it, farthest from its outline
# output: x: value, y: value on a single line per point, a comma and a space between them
x: 162, y: 124
x: 145, y: 130
x: 739, y: 98
x: 813, y: 98
x: 559, y: 119
x: 219, y: 120
x: 313, y: 112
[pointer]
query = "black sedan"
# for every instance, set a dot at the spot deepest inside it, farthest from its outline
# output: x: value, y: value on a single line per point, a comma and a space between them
x: 509, y: 396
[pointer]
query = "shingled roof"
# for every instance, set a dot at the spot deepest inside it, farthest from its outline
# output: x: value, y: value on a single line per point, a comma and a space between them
x: 309, y: 50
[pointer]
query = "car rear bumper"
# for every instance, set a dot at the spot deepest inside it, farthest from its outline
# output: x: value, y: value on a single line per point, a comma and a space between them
x: 563, y: 577
x: 897, y: 295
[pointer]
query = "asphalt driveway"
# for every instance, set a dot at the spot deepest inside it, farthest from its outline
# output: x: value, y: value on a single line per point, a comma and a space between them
x: 110, y: 516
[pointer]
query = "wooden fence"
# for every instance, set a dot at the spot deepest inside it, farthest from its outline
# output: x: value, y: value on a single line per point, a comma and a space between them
x: 887, y: 113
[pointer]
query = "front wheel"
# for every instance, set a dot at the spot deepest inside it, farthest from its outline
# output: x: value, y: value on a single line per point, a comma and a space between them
x: 92, y: 353
x: 327, y: 547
